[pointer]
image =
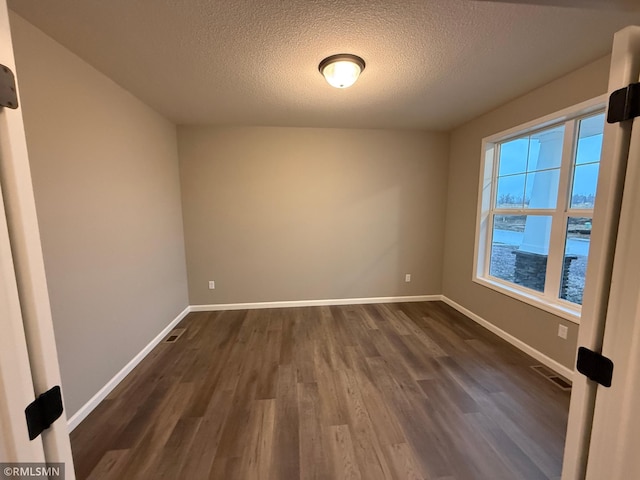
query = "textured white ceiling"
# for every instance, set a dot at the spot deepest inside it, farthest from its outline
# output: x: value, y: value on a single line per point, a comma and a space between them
x: 431, y: 64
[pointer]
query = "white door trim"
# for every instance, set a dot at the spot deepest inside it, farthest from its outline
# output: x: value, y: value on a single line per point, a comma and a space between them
x: 22, y: 223
x: 624, y: 70
x: 615, y: 435
x: 16, y: 387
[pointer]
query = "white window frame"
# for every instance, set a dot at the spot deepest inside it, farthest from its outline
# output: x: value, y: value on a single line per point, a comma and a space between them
x: 548, y: 301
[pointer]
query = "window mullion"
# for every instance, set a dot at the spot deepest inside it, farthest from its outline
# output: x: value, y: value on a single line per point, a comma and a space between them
x: 487, y: 251
x: 559, y: 217
x: 523, y: 211
x: 495, y: 162
x: 580, y: 212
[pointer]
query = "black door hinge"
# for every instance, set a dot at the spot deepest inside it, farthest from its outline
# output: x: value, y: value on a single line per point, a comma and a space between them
x: 44, y: 410
x: 8, y: 93
x: 595, y: 366
x: 624, y: 104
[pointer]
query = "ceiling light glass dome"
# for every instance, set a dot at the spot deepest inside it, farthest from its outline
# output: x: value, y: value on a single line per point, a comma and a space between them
x: 342, y: 70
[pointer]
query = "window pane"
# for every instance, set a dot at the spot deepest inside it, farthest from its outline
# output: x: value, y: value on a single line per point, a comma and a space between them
x: 513, y: 156
x: 585, y: 181
x: 510, y: 191
x: 585, y: 174
x: 542, y: 189
x: 520, y: 248
x: 576, y: 253
x: 545, y: 149
x: 590, y: 139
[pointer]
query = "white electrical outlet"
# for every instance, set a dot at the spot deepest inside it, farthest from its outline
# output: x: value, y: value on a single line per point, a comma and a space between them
x: 563, y: 330
x: 407, y: 277
x: 212, y: 285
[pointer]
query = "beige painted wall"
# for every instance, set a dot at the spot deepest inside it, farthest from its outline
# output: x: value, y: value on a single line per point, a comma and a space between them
x: 276, y: 214
x: 531, y: 325
x: 105, y: 174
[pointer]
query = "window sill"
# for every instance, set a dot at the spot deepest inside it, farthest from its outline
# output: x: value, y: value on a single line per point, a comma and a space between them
x: 561, y: 309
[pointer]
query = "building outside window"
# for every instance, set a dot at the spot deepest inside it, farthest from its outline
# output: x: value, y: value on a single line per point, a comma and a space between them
x: 537, y: 193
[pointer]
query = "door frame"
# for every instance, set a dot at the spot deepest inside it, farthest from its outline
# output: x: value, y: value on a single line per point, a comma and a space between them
x: 26, y: 251
x: 608, y: 236
x: 615, y: 431
x: 16, y: 386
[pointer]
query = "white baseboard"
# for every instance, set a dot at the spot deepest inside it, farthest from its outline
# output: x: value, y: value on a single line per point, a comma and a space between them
x: 88, y: 407
x: 529, y: 350
x: 312, y: 303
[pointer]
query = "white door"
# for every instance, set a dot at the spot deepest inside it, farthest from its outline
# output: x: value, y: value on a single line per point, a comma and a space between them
x: 28, y: 357
x: 16, y: 387
x: 614, y: 451
x: 603, y: 434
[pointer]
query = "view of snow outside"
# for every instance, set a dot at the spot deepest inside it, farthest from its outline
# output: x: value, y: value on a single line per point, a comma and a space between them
x: 519, y: 172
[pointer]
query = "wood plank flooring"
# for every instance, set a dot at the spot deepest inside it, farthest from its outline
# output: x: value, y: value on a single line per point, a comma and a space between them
x: 394, y: 391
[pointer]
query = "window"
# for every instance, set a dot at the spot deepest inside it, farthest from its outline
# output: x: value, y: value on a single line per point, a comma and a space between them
x: 537, y: 192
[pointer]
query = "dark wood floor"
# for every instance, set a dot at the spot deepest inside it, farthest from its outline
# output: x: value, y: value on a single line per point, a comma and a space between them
x: 398, y: 391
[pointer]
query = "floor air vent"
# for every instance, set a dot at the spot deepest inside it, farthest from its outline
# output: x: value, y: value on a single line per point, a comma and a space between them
x: 550, y: 375
x: 174, y: 335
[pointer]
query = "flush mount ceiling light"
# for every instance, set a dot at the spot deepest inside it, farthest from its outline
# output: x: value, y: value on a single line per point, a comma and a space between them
x: 342, y: 70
